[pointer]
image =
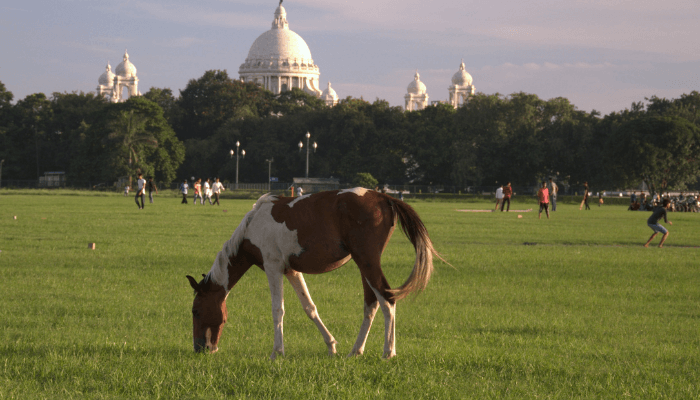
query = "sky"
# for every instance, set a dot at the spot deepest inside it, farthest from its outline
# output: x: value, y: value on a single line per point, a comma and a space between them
x: 600, y: 54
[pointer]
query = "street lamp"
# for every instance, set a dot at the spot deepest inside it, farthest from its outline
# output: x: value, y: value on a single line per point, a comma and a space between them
x: 269, y: 173
x: 315, y: 145
x: 242, y: 152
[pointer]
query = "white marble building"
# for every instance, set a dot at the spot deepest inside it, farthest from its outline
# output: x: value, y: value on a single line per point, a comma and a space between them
x: 112, y: 84
x: 417, y: 96
x: 462, y: 87
x: 329, y: 96
x: 280, y: 60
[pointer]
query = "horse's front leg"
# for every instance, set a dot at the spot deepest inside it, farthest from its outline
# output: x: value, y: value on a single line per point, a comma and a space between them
x: 274, y: 279
x: 299, y: 285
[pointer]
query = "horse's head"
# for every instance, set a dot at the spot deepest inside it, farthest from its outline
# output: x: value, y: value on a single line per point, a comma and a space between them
x: 208, y: 314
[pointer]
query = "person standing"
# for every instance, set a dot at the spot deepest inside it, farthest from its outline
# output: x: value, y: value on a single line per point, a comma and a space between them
x: 600, y: 199
x: 507, y: 193
x: 585, y: 197
x: 543, y: 197
x: 141, y: 192
x: 207, y: 191
x: 126, y: 190
x: 499, y: 197
x: 217, y: 188
x: 653, y: 223
x: 183, y: 189
x: 553, y: 191
x: 151, y: 186
x: 300, y: 191
x: 198, y: 191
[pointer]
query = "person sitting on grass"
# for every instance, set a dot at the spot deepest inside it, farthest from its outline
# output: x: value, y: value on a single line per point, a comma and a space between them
x: 653, y: 223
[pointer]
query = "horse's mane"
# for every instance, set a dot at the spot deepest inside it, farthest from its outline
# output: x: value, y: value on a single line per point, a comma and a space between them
x: 219, y: 270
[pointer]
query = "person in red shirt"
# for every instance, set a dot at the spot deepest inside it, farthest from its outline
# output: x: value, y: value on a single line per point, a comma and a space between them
x: 507, y: 192
x: 543, y: 196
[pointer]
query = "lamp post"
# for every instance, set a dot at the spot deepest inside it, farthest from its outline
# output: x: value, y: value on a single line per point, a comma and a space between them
x: 308, y: 135
x: 1, y: 163
x: 241, y: 152
x: 269, y: 172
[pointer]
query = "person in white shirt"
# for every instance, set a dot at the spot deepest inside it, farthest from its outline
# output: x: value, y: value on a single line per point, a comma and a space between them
x: 499, y: 196
x: 207, y: 191
x: 300, y: 191
x: 217, y: 188
x: 141, y: 192
x: 183, y: 189
x: 553, y: 190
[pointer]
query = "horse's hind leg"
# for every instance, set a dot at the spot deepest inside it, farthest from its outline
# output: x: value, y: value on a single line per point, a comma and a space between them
x: 374, y: 277
x: 299, y: 285
x: 370, y: 310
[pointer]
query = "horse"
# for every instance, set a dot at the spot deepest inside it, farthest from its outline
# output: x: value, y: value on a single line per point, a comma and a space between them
x: 314, y: 234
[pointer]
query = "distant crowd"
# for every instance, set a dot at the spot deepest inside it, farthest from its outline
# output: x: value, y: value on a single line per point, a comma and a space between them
x: 682, y: 203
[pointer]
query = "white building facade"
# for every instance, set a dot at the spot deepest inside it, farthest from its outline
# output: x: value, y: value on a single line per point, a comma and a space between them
x: 417, y: 96
x: 280, y: 60
x: 112, y: 84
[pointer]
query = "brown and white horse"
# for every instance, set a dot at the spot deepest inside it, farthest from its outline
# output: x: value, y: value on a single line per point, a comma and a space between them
x: 313, y: 234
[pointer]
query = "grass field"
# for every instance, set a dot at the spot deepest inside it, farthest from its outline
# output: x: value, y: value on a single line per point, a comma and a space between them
x: 572, y: 307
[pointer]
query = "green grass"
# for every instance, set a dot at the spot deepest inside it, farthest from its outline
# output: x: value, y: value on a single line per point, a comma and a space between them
x: 581, y: 311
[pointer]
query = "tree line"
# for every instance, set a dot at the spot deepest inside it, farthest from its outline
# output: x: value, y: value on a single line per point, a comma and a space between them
x: 490, y: 140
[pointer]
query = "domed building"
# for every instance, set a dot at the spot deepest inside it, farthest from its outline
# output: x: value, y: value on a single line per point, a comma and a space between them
x: 461, y: 87
x: 112, y: 84
x: 329, y: 96
x: 417, y: 96
x: 280, y: 60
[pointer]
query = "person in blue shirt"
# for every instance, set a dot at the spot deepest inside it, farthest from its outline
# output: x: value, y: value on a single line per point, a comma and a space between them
x: 654, y: 224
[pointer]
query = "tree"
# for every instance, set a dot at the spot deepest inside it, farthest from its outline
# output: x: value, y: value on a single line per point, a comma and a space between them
x: 365, y: 179
x: 663, y: 151
x: 210, y: 101
x: 128, y: 131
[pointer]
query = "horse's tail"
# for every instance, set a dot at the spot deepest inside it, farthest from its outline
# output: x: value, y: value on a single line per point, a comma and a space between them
x: 413, y: 228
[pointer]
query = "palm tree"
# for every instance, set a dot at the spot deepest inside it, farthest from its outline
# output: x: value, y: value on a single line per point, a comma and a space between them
x: 129, y: 131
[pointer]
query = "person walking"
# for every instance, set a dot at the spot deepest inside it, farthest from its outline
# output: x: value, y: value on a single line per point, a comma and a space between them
x: 217, y: 188
x: 126, y: 190
x: 585, y: 197
x: 553, y: 191
x: 151, y: 187
x: 600, y: 199
x: 141, y: 192
x: 300, y: 191
x: 198, y: 191
x: 183, y: 189
x: 207, y: 191
x: 653, y: 222
x: 543, y: 197
x: 499, y: 197
x: 507, y: 193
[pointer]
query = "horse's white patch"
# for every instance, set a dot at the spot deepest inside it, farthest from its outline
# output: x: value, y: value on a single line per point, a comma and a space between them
x: 360, y: 191
x: 275, y: 241
x: 298, y: 199
x: 219, y: 270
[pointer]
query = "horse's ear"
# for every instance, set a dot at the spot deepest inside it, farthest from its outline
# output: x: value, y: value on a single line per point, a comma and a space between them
x: 193, y: 283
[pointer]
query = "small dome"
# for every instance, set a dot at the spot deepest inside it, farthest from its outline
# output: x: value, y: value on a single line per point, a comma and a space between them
x: 416, y: 86
x: 329, y: 93
x: 107, y: 77
x: 126, y: 69
x: 461, y: 77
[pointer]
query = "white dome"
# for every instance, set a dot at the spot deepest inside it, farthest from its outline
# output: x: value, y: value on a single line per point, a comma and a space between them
x: 416, y: 86
x: 107, y: 77
x: 126, y: 69
x: 280, y: 44
x: 461, y: 77
x: 329, y: 93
